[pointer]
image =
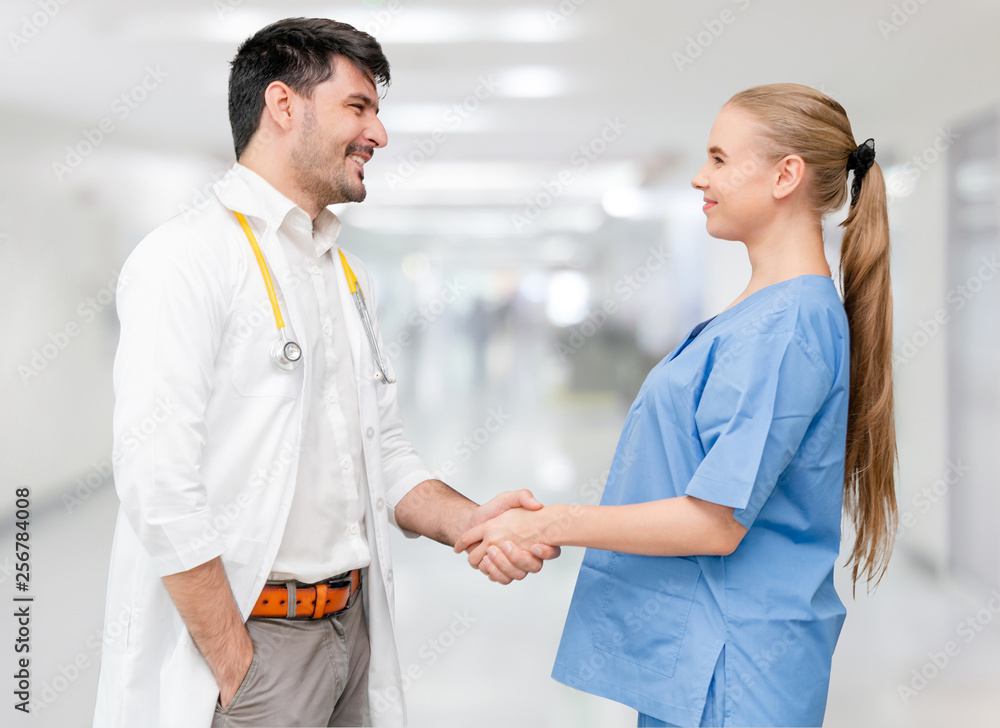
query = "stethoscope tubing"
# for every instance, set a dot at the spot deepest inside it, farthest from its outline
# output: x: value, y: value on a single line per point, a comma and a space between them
x: 366, y: 322
x: 286, y: 353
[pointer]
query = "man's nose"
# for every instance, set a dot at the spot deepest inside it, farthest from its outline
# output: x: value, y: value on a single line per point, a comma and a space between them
x: 376, y: 134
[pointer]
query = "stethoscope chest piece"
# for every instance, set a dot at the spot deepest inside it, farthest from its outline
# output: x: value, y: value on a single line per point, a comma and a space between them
x: 286, y: 354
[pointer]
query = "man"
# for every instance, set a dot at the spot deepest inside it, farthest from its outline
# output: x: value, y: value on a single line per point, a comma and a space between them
x: 251, y: 556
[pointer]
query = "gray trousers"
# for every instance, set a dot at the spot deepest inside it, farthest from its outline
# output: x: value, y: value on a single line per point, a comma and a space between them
x: 305, y: 672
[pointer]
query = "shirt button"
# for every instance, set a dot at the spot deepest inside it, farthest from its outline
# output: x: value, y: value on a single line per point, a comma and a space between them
x: 379, y: 504
x: 388, y: 575
x: 314, y: 269
x: 327, y: 328
x: 369, y: 433
x: 345, y: 463
x: 331, y: 398
x: 354, y: 529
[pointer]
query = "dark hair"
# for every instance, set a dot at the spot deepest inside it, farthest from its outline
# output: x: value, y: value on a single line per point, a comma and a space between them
x: 298, y: 52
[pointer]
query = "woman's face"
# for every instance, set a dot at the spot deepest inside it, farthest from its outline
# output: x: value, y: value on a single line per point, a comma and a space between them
x: 737, y: 180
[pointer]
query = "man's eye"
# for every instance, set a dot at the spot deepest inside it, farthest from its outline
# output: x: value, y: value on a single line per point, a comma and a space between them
x: 718, y: 159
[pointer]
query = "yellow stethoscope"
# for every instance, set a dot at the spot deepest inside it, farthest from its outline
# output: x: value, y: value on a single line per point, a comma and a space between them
x: 285, y: 353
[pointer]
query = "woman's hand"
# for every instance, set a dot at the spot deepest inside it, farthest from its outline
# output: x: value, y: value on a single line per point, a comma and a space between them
x: 517, y: 527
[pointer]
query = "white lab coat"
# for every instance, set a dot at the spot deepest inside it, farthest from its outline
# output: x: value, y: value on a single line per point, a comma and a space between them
x: 207, y: 435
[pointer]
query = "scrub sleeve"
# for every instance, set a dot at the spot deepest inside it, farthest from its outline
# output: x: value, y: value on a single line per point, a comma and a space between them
x: 757, y: 404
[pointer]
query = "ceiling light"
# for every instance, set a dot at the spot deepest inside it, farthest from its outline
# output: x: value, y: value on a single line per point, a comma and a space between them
x: 533, y: 82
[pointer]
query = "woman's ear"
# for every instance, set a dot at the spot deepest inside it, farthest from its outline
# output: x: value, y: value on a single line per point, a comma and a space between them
x: 790, y: 172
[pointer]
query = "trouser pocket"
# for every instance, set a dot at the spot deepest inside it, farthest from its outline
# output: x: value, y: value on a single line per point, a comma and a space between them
x: 244, y: 687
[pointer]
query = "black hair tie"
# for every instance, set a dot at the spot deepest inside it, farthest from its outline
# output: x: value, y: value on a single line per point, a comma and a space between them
x: 860, y: 160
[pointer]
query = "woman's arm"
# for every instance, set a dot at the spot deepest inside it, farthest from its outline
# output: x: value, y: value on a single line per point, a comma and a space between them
x: 683, y: 526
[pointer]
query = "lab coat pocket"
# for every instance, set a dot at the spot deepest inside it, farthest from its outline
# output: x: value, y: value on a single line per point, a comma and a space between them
x: 187, y: 687
x: 645, y: 609
x: 254, y: 371
x: 242, y: 562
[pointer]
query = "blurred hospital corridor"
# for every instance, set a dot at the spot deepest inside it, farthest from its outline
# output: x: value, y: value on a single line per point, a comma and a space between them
x: 536, y: 249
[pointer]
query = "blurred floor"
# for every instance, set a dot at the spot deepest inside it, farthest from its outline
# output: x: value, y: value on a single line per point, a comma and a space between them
x: 480, y: 654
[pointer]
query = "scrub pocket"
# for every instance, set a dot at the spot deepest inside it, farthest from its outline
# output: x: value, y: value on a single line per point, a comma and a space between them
x: 645, y: 608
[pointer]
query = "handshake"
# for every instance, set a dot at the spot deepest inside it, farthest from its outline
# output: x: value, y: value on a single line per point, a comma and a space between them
x: 509, y: 536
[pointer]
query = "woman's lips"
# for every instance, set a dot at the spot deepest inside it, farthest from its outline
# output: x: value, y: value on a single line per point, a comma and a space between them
x: 709, y: 204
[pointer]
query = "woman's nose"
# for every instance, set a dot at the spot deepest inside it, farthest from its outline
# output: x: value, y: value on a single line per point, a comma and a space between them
x: 700, y: 180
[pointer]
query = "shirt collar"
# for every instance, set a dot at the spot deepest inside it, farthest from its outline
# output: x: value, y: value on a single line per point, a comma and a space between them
x: 243, y: 190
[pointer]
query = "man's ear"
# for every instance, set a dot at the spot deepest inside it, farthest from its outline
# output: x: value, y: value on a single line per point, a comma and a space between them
x: 790, y: 172
x: 279, y: 104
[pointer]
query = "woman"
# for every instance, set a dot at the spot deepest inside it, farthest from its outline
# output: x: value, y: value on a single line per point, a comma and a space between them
x: 706, y: 596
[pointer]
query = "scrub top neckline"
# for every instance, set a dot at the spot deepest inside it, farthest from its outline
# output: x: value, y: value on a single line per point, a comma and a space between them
x: 762, y: 293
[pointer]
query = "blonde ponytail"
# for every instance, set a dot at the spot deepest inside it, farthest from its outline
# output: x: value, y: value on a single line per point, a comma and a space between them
x: 870, y: 461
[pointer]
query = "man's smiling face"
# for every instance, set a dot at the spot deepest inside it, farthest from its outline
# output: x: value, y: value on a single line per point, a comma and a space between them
x: 339, y: 132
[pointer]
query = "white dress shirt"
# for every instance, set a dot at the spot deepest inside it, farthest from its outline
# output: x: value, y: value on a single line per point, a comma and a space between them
x: 324, y: 535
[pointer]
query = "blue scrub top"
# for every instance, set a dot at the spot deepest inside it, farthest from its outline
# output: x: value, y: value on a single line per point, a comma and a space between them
x: 749, y: 412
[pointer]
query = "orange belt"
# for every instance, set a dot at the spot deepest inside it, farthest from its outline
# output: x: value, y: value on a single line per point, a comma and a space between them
x: 313, y: 602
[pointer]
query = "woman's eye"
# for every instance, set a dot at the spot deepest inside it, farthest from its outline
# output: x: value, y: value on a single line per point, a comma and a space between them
x: 718, y: 160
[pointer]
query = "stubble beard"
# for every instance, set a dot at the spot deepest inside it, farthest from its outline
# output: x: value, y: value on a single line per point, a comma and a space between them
x: 319, y: 173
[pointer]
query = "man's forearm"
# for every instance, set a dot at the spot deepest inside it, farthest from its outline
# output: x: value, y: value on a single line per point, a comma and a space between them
x: 205, y: 601
x: 435, y: 510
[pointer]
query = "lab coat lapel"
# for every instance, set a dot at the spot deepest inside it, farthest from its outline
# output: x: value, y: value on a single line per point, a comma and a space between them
x: 284, y: 278
x: 235, y: 194
x: 352, y: 321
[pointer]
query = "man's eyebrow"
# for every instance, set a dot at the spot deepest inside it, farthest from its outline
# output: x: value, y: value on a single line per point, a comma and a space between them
x: 365, y: 99
x: 716, y: 150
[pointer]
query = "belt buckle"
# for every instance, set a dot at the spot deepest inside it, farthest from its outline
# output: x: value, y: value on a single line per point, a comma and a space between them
x: 339, y: 583
x: 342, y: 580
x: 345, y: 580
